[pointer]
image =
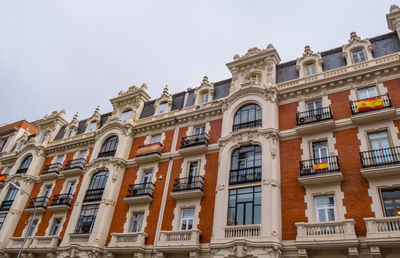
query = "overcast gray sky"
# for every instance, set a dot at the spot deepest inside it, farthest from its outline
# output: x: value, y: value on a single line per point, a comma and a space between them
x: 75, y: 55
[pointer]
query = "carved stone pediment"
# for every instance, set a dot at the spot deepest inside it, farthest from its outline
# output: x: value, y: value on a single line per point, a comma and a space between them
x: 50, y: 122
x: 115, y: 123
x: 37, y: 150
x: 205, y: 86
x: 108, y: 163
x: 250, y: 136
x: 269, y: 94
x: 355, y: 43
x: 309, y: 57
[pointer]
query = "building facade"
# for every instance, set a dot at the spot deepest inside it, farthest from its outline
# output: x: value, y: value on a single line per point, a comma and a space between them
x: 296, y: 159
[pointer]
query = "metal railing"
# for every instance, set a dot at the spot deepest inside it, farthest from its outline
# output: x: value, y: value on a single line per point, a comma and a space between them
x: 40, y: 202
x: 386, y: 103
x: 21, y: 171
x: 106, y: 154
x: 197, y: 139
x: 320, y: 165
x: 52, y: 168
x: 313, y: 116
x: 188, y: 183
x: 62, y: 199
x: 140, y: 190
x: 245, y: 175
x: 6, y: 205
x: 84, y: 224
x: 380, y: 157
x: 75, y: 163
x: 249, y: 124
x: 93, y: 195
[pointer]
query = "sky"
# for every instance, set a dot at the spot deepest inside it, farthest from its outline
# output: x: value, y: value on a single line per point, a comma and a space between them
x: 75, y: 54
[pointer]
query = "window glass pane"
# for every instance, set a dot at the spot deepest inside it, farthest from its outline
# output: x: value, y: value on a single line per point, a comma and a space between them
x: 321, y: 215
x: 126, y: 116
x: 155, y: 138
x: 162, y: 108
x: 257, y: 214
x: 240, y: 214
x: 331, y: 214
x: 313, y: 69
x: 32, y: 228
x: 91, y: 126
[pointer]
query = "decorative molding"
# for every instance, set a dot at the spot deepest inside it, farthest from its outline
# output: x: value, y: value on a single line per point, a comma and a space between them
x: 269, y: 94
x: 116, y: 164
x: 115, y: 123
x: 356, y: 42
x: 309, y: 57
x: 205, y: 86
x: 81, y: 141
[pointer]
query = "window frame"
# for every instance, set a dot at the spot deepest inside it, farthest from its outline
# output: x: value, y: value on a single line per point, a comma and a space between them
x: 358, y: 50
x: 123, y: 114
x: 154, y: 137
x: 133, y: 220
x: 53, y: 225
x: 366, y: 88
x: 394, y: 204
x: 91, y: 127
x: 256, y: 190
x: 109, y: 147
x: 85, y: 212
x: 310, y: 69
x: 239, y: 117
x: 183, y: 219
x: 316, y: 208
x: 162, y: 108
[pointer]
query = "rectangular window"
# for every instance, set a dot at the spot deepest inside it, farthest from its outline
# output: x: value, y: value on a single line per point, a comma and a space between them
x: 325, y: 208
x: 310, y: 69
x: 147, y: 176
x: 199, y: 129
x: 60, y: 159
x: 358, y: 56
x: 70, y: 187
x: 313, y: 105
x: 380, y: 146
x: 2, y: 219
x: 82, y: 154
x: 3, y: 143
x: 187, y: 219
x: 155, y: 138
x: 320, y: 151
x: 91, y: 127
x: 43, y: 138
x: 47, y: 190
x: 162, y: 108
x: 86, y: 219
x: 244, y: 206
x: 11, y: 194
x: 31, y: 229
x: 69, y: 133
x: 367, y: 93
x: 136, y: 222
x: 55, y: 226
x: 193, y: 169
x: 391, y: 202
x: 204, y: 98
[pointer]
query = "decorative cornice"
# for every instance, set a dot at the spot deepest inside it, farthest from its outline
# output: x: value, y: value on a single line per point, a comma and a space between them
x: 105, y: 163
x: 38, y: 150
x: 115, y: 123
x: 249, y: 136
x: 49, y: 122
x: 269, y: 94
x: 85, y: 140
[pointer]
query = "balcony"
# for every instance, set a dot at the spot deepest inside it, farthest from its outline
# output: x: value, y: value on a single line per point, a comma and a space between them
x: 250, y: 124
x: 61, y: 202
x: 130, y: 241
x: 321, y: 170
x: 372, y: 109
x: 179, y: 240
x: 195, y: 144
x: 149, y: 153
x: 381, y: 162
x: 73, y: 167
x: 6, y: 205
x: 21, y: 171
x: 16, y: 242
x: 314, y: 120
x: 44, y: 244
x: 327, y: 234
x: 106, y: 154
x: 93, y: 195
x: 383, y: 230
x: 40, y: 203
x: 140, y: 193
x: 51, y: 171
x: 242, y: 231
x: 245, y: 175
x: 188, y: 187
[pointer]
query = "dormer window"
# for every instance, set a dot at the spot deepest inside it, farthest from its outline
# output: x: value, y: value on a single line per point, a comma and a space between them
x: 91, y: 127
x: 125, y: 116
x: 43, y: 138
x: 310, y: 69
x: 69, y: 133
x: 204, y: 98
x: 358, y: 56
x: 254, y: 78
x: 162, y: 108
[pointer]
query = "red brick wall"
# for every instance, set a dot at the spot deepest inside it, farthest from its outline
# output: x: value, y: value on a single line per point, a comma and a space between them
x: 207, y: 203
x: 397, y: 123
x: 47, y: 161
x: 340, y: 104
x: 354, y: 186
x: 293, y: 205
x: 137, y: 142
x: 169, y: 137
x: 393, y: 87
x: 215, y: 130
x: 287, y: 116
x: 181, y: 133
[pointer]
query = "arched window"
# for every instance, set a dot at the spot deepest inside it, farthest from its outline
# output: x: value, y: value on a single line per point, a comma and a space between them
x: 109, y: 147
x: 96, y: 187
x: 8, y: 201
x: 246, y: 165
x: 247, y: 116
x: 255, y: 78
x: 162, y: 108
x: 24, y: 165
x: 310, y: 69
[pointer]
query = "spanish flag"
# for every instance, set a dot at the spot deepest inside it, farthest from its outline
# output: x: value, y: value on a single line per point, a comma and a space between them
x: 2, y: 178
x: 320, y: 166
x: 146, y: 149
x: 369, y: 104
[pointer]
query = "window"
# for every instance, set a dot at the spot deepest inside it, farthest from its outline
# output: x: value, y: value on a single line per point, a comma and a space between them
x: 136, y: 222
x: 391, y: 202
x: 204, y: 98
x: 247, y: 116
x: 91, y: 127
x: 309, y: 69
x: 244, y: 206
x: 70, y: 187
x: 125, y: 116
x: 313, y: 105
x: 60, y: 159
x: 2, y: 219
x: 367, y: 93
x: 155, y: 138
x: 82, y: 154
x: 96, y: 187
x: 199, y: 130
x: 31, y: 229
x: 24, y: 165
x: 320, y: 151
x: 17, y: 146
x: 358, y: 56
x: 193, y: 169
x: 86, y: 219
x: 147, y: 176
x: 187, y: 219
x: 254, y: 78
x: 55, y: 226
x: 9, y: 199
x: 43, y: 138
x: 69, y: 133
x: 162, y: 108
x: 47, y: 191
x: 380, y: 146
x: 3, y: 143
x: 325, y: 208
x: 246, y: 165
x: 109, y: 147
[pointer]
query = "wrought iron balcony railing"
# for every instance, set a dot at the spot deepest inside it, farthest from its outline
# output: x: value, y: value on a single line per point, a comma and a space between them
x: 197, y: 139
x: 380, y: 157
x: 188, y: 183
x: 6, y: 205
x: 40, y: 202
x: 313, y: 116
x: 21, y: 171
x: 93, y: 195
x: 319, y: 165
x: 245, y: 175
x: 106, y: 154
x: 62, y: 199
x: 250, y: 124
x: 52, y: 168
x: 140, y: 190
x: 370, y: 104
x: 75, y: 163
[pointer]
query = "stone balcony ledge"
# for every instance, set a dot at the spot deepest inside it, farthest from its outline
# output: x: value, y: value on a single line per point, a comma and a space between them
x: 133, y: 241
x: 383, y: 231
x: 179, y: 241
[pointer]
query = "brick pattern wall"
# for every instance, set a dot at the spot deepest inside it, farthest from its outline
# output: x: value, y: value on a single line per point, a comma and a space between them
x: 340, y: 104
x: 393, y: 87
x: 287, y: 116
x: 182, y: 133
x: 215, y: 130
x: 169, y: 137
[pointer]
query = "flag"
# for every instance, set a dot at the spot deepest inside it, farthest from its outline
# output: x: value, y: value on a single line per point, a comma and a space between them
x: 320, y: 166
x: 146, y: 149
x: 2, y: 178
x: 369, y: 104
